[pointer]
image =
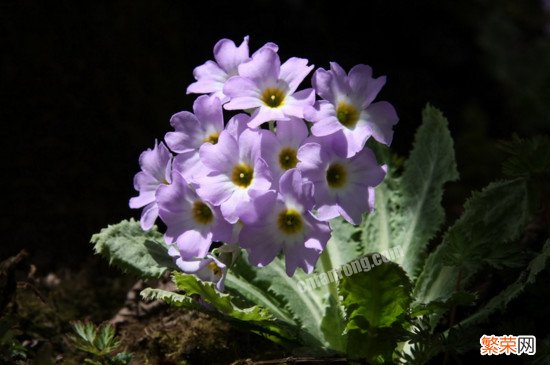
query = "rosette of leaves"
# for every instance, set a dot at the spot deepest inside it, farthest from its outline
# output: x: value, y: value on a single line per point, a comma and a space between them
x: 99, y: 343
x: 400, y: 310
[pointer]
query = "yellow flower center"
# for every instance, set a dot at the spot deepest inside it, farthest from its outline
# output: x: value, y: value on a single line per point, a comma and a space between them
x: 202, y: 214
x: 288, y: 158
x: 273, y: 97
x: 336, y: 175
x: 242, y: 175
x: 290, y: 221
x: 212, y: 138
x: 215, y: 269
x: 347, y: 114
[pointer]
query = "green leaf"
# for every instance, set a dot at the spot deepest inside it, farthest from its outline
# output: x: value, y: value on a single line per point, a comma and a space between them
x: 500, y: 301
x: 258, y: 318
x: 303, y: 309
x: 99, y: 341
x: 106, y: 341
x: 408, y: 209
x: 342, y: 248
x: 492, y: 219
x: 430, y: 165
x: 333, y: 326
x: 207, y: 291
x: 85, y: 330
x: 86, y: 335
x: 329, y: 265
x: 131, y: 249
x: 376, y: 303
x: 173, y: 299
x: 122, y: 358
x: 423, y: 343
x: 344, y: 244
x: 380, y: 228
x: 254, y: 318
x: 527, y: 157
x: 439, y: 307
x: 307, y: 307
x: 242, y: 281
x: 377, y: 345
x: 379, y: 296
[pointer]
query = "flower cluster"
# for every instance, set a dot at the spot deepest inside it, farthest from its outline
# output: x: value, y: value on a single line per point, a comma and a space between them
x: 270, y: 178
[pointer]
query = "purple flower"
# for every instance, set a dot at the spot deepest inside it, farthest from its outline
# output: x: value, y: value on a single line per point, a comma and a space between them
x: 275, y: 222
x: 238, y: 124
x: 156, y: 165
x: 192, y: 224
x: 192, y: 130
x: 348, y: 107
x: 211, y: 76
x: 343, y: 186
x: 263, y: 83
x: 234, y: 167
x: 280, y: 150
x: 208, y: 268
x: 212, y: 268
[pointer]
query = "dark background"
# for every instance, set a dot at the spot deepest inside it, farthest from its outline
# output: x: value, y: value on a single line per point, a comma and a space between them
x: 85, y: 88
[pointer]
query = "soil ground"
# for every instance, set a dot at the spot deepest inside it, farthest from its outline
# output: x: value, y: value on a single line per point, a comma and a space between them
x: 39, y: 306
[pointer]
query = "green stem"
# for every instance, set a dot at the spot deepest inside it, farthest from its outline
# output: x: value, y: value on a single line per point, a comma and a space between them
x: 326, y: 266
x: 272, y: 126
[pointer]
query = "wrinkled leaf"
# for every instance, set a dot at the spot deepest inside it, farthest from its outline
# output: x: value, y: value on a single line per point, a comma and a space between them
x: 376, y: 298
x: 492, y: 219
x: 500, y: 301
x: 205, y: 297
x: 131, y: 249
x: 333, y: 326
x: 221, y: 301
x: 408, y: 210
x: 303, y: 309
x: 527, y: 157
x: 173, y: 299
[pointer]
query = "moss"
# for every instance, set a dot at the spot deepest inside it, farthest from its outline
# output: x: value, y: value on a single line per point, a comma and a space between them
x: 188, y: 337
